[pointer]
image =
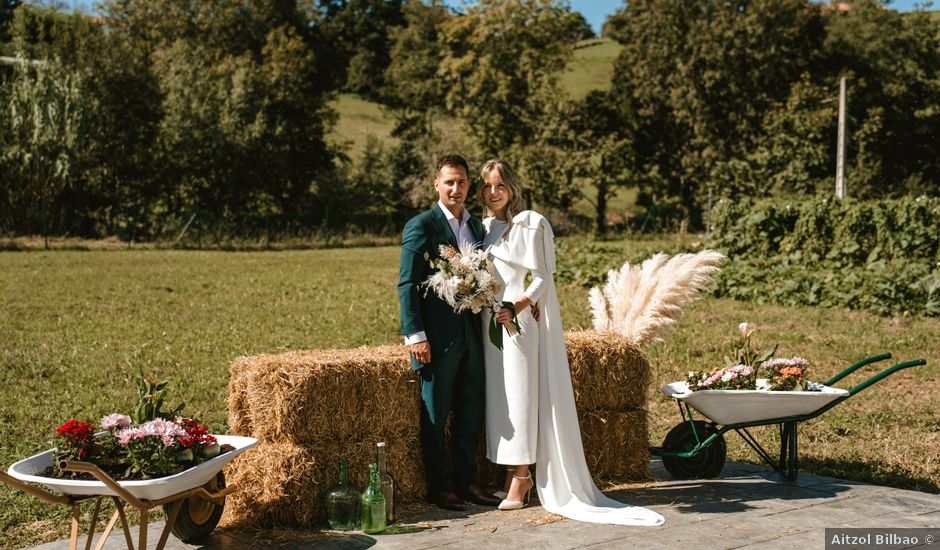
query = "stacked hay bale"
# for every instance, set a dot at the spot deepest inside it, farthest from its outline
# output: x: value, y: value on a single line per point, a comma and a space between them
x: 310, y: 409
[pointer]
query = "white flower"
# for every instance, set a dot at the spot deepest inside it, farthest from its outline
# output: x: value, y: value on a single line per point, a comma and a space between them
x: 745, y: 329
x: 727, y: 376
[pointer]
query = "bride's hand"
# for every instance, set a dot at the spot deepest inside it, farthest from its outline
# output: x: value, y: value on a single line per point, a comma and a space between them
x: 504, y: 315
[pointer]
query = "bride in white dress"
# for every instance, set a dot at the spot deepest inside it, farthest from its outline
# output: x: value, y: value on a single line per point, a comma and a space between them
x: 530, y: 409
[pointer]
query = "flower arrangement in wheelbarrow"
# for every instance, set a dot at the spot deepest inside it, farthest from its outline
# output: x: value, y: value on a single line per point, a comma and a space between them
x: 160, y: 444
x: 747, y: 369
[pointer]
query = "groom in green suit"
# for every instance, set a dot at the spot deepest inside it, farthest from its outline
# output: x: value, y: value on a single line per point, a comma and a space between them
x: 446, y: 347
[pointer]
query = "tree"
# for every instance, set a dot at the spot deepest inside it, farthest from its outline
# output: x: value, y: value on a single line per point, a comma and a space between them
x: 699, y: 76
x: 355, y: 37
x: 7, y: 7
x: 893, y: 61
x: 578, y: 28
x: 411, y: 76
x: 603, y: 138
x: 500, y: 68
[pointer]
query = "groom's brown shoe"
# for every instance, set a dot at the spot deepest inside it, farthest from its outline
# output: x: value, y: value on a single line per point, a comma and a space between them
x: 447, y: 501
x: 476, y: 495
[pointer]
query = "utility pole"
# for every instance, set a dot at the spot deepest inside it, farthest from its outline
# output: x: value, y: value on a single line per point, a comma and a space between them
x: 840, y: 152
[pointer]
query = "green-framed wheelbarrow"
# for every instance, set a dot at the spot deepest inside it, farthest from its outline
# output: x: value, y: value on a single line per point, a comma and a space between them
x: 696, y: 448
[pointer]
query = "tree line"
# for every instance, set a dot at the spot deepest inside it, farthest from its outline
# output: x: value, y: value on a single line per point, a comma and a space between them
x: 127, y: 121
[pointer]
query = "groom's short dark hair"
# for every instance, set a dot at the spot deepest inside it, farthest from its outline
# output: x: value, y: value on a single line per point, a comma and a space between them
x: 452, y: 159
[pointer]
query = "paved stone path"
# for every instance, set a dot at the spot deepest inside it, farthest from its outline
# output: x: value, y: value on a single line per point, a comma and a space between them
x: 749, y: 506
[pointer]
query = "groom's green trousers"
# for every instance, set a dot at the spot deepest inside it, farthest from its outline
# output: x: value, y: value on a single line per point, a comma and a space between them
x: 454, y: 380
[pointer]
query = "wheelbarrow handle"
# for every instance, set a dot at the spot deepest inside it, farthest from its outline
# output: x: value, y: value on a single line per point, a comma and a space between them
x: 886, y: 373
x: 103, y: 477
x: 856, y: 366
x: 41, y: 494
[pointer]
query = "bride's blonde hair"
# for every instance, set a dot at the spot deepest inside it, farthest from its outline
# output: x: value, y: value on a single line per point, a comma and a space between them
x: 508, y: 176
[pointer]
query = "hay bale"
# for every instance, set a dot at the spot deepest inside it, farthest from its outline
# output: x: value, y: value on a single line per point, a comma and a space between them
x: 616, y: 445
x: 608, y: 372
x: 311, y: 395
x: 239, y: 412
x: 303, y: 396
x: 276, y: 487
x: 284, y: 484
x: 312, y: 408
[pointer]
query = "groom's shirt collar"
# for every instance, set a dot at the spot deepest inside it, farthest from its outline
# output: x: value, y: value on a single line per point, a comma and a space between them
x: 464, y: 215
x: 460, y: 227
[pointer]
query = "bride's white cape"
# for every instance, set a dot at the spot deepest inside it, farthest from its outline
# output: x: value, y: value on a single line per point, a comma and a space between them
x: 564, y: 483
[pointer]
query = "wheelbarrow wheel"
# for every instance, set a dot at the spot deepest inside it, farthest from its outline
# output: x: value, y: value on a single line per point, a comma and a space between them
x: 707, y: 463
x: 197, y: 517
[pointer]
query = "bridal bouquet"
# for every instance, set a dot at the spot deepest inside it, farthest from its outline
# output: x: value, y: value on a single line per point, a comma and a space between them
x: 464, y: 278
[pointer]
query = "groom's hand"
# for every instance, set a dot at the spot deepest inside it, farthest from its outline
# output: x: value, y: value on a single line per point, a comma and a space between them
x: 421, y: 352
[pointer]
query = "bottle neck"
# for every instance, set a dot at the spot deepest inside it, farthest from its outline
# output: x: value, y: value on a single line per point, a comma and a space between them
x: 374, y: 484
x: 381, y: 460
x: 343, y: 473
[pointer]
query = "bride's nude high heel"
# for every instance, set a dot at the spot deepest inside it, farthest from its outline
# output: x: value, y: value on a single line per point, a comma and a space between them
x: 516, y: 504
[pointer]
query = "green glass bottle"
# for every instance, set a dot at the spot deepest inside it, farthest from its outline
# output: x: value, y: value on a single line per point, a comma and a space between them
x: 372, y: 504
x: 388, y: 482
x: 342, y: 502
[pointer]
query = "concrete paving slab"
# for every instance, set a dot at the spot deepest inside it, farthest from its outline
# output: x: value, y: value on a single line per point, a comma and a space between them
x: 749, y: 506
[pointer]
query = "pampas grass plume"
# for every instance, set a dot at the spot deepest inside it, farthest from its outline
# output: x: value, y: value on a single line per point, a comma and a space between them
x: 643, y: 302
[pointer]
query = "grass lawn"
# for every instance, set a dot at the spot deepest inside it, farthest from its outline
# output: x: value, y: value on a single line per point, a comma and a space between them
x: 77, y: 325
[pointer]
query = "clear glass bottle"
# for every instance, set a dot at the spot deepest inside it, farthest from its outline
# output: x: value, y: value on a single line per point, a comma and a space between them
x: 372, y: 504
x: 388, y: 483
x: 342, y: 502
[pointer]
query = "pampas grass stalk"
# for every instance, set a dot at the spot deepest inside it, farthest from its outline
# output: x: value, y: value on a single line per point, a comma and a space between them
x: 642, y: 303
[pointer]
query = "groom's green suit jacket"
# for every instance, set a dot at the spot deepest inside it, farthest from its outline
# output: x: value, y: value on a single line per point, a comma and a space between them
x: 421, y: 241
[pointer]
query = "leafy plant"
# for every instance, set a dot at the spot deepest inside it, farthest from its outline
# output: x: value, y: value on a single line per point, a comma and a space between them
x: 150, y: 394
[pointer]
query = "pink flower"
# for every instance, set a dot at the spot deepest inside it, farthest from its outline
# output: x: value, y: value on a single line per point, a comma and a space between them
x: 166, y: 431
x: 115, y: 420
x: 124, y: 436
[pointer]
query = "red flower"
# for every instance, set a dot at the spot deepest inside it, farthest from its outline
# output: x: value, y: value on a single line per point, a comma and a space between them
x: 75, y: 431
x: 197, y: 431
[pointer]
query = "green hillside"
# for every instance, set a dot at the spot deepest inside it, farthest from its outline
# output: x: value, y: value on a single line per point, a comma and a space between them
x: 359, y: 118
x: 591, y: 68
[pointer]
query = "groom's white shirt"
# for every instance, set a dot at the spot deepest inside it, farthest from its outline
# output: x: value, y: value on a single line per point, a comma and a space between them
x: 464, y: 236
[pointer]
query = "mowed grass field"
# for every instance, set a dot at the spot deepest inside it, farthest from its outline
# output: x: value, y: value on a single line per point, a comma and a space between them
x: 77, y: 326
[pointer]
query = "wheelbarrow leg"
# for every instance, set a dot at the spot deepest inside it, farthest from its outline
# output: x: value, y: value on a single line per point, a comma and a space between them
x: 107, y: 530
x: 94, y: 523
x: 127, y: 532
x: 142, y: 537
x: 170, y: 520
x: 793, y: 465
x: 789, y: 461
x: 76, y: 515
